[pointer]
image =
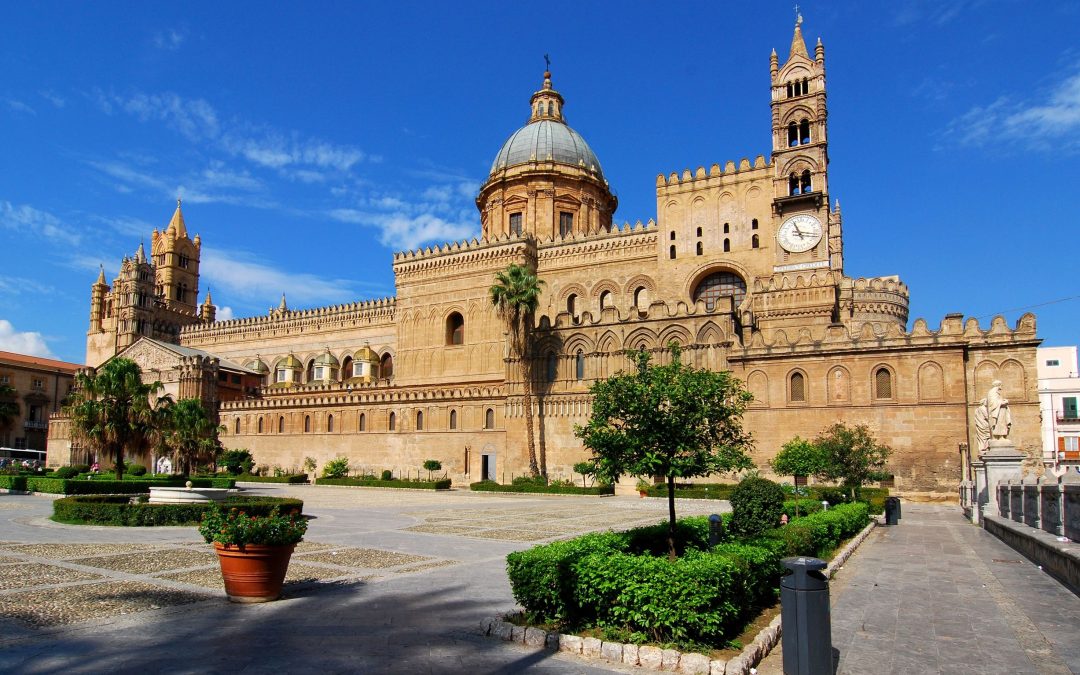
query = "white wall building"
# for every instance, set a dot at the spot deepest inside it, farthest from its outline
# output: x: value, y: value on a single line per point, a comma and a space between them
x: 1059, y: 394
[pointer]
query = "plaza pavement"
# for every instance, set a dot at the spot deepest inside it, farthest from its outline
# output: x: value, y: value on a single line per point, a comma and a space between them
x: 398, y: 581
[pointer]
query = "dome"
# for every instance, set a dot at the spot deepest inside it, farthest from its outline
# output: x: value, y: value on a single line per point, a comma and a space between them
x: 327, y: 359
x: 291, y: 362
x: 258, y: 366
x: 366, y: 354
x: 547, y: 140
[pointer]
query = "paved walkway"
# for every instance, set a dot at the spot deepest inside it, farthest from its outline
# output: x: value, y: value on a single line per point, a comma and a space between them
x: 394, y: 581
x: 936, y: 594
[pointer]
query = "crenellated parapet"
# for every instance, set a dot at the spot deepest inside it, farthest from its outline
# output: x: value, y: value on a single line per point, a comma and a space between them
x: 369, y: 312
x: 874, y: 300
x: 619, y: 244
x: 715, y: 176
x: 493, y: 252
x: 375, y: 393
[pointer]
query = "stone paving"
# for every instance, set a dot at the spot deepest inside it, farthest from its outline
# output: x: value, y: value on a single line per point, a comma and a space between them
x: 386, y: 581
x: 398, y: 581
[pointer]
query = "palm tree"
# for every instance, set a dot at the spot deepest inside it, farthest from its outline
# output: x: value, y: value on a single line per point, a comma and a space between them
x: 114, y: 411
x: 191, y: 434
x: 516, y: 295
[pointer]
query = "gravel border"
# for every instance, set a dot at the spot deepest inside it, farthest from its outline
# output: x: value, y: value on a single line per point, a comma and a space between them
x: 655, y: 658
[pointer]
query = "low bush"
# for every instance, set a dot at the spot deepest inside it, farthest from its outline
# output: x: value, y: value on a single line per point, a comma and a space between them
x: 387, y: 474
x: 135, y: 470
x: 818, y: 534
x: 756, y: 505
x: 97, y: 486
x: 701, y: 491
x: 533, y: 488
x: 288, y: 478
x: 690, y: 533
x: 806, y: 507
x: 371, y: 481
x: 120, y: 510
x: 81, y: 468
x: 64, y: 472
x: 336, y: 468
x: 236, y: 461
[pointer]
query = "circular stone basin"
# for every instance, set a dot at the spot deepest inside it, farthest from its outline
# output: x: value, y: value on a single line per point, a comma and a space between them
x: 185, y: 495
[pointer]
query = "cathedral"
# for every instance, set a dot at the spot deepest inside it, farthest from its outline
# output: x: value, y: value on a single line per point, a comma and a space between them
x: 743, y: 267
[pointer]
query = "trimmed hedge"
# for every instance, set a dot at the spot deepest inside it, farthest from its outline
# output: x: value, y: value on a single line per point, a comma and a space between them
x: 442, y: 484
x: 78, y: 486
x: 118, y: 510
x: 533, y: 488
x: 806, y: 507
x: 291, y: 479
x: 818, y: 534
x: 873, y: 496
x: 701, y: 491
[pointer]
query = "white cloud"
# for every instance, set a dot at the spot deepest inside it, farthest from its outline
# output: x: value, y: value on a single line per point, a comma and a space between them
x: 195, y: 119
x: 29, y: 220
x: 936, y: 12
x: 52, y: 97
x: 19, y: 286
x: 275, y: 150
x: 169, y: 40
x: 246, y: 279
x: 402, y: 231
x: 23, y: 342
x: 224, y: 313
x: 19, y: 106
x: 1051, y: 122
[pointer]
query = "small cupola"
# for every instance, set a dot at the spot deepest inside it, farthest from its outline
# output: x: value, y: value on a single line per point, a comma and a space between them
x: 547, y: 104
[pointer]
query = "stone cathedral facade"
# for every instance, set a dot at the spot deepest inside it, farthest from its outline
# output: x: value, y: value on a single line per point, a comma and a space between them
x: 743, y: 267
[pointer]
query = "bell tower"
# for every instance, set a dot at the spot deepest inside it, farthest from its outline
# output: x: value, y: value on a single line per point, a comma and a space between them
x: 176, y: 265
x: 800, y: 155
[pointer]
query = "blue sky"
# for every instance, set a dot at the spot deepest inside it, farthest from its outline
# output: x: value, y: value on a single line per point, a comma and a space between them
x: 312, y: 140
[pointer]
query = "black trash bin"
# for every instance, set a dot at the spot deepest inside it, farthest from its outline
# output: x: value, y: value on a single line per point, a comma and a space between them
x: 892, y: 510
x: 804, y: 611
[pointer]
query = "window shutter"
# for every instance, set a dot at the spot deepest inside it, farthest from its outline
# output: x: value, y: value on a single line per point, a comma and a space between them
x: 1061, y: 443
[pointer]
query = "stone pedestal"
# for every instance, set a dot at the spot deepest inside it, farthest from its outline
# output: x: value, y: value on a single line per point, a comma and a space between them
x: 1000, y: 462
x: 979, y: 470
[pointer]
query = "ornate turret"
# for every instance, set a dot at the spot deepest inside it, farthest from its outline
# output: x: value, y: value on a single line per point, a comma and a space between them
x: 176, y: 258
x: 208, y: 312
x: 97, y: 301
x: 545, y: 181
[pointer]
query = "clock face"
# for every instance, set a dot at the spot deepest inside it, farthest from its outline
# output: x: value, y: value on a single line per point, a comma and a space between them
x: 799, y: 233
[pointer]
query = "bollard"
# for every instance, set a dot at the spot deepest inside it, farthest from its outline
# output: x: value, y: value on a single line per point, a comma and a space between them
x: 716, y: 529
x: 804, y: 612
x: 892, y: 510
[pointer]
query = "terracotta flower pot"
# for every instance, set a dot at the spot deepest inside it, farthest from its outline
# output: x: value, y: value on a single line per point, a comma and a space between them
x: 253, y: 572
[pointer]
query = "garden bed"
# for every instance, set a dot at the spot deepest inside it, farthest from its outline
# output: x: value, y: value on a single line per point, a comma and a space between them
x: 292, y: 479
x: 119, y: 510
x: 440, y: 484
x: 874, y: 497
x: 99, y: 486
x: 534, y: 488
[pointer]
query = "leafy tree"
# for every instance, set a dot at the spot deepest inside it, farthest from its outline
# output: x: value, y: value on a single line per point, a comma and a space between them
x: 586, y: 469
x: 114, y: 411
x: 336, y: 468
x: 191, y: 434
x: 237, y: 461
x: 673, y: 420
x: 756, y: 505
x: 516, y: 295
x: 799, y: 457
x: 432, y: 465
x: 9, y: 406
x: 852, y: 456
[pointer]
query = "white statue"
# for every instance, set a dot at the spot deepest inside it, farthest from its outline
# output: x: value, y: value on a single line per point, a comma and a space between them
x: 997, y: 409
x: 164, y: 465
x: 982, y: 427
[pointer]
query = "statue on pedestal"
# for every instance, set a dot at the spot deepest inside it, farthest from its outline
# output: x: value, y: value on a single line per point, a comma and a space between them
x: 997, y: 408
x: 982, y: 427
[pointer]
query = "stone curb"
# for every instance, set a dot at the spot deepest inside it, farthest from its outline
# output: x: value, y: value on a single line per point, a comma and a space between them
x: 655, y: 658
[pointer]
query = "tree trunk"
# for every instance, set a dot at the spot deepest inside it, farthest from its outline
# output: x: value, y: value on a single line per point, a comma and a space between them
x: 119, y: 456
x: 671, y: 517
x: 526, y: 384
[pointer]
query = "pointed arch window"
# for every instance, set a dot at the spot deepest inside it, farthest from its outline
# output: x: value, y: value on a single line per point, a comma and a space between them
x: 753, y: 224
x: 515, y: 224
x: 386, y: 366
x: 571, y: 304
x: 883, y: 384
x: 805, y: 185
x: 361, y: 422
x: 792, y: 134
x: 236, y: 426
x: 330, y: 424
x: 699, y: 232
x: 307, y: 424
x: 804, y: 132
x: 701, y: 249
x: 793, y: 184
x: 579, y: 365
x: 419, y: 420
x: 552, y: 367
x: 727, y: 246
x: 259, y: 425
x: 641, y: 297
x: 453, y: 419
x: 671, y: 252
x: 392, y: 422
x: 489, y: 418
x: 455, y: 329
x: 281, y: 424
x: 605, y: 300
x: 755, y: 242
x: 797, y: 388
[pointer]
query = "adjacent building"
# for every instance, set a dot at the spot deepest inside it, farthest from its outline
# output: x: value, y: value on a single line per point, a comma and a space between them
x: 1059, y: 394
x: 38, y: 387
x: 743, y: 267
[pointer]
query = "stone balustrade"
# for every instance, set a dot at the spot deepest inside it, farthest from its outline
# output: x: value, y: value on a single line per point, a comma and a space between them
x: 1050, y: 504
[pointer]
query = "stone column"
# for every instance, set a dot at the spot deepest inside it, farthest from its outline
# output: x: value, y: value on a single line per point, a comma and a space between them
x: 1000, y: 462
x: 981, y: 492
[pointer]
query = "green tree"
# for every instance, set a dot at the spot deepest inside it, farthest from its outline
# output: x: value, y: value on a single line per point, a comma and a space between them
x: 191, y: 434
x: 852, y: 456
x: 432, y: 465
x: 799, y: 457
x: 586, y: 469
x: 516, y: 295
x: 114, y: 411
x: 9, y: 406
x: 673, y: 420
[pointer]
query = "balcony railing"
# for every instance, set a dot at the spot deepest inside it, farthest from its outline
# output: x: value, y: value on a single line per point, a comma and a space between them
x: 32, y: 424
x: 1068, y: 418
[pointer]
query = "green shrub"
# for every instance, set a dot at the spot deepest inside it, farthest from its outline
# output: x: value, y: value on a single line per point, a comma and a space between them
x: 236, y: 462
x: 79, y: 486
x: 806, y: 507
x: 136, y: 469
x: 65, y: 472
x: 119, y: 510
x: 756, y: 504
x: 698, y: 491
x: 370, y: 481
x: 387, y: 474
x: 492, y: 486
x: 336, y: 468
x: 833, y: 495
x: 81, y: 468
x: 288, y: 478
x: 874, y: 498
x: 818, y: 534
x: 690, y: 533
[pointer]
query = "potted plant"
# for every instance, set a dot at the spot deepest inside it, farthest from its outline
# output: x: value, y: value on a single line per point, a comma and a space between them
x: 643, y: 487
x: 254, y: 551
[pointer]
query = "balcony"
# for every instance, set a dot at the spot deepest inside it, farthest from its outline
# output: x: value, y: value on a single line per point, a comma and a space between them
x: 35, y: 425
x: 1068, y: 418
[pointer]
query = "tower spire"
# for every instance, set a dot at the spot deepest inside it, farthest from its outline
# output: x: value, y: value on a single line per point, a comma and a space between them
x: 177, y: 222
x: 798, y: 45
x: 547, y: 104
